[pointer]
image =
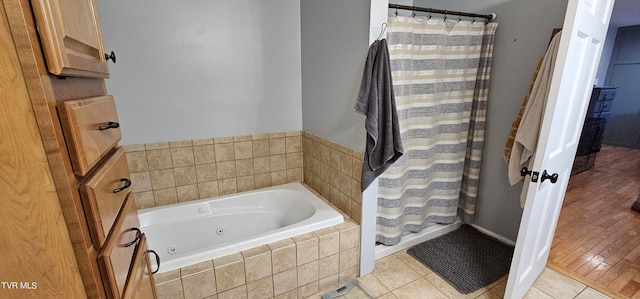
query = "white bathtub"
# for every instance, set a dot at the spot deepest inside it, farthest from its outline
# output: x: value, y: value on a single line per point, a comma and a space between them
x: 191, y: 232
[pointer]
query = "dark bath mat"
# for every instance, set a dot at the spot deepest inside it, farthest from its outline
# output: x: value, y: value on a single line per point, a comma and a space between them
x: 465, y: 258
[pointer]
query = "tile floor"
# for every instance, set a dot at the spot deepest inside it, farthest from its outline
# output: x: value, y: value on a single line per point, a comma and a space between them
x: 401, y: 276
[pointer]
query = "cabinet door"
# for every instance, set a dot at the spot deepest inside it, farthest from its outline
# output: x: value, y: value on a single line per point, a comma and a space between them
x: 71, y: 38
x: 140, y: 284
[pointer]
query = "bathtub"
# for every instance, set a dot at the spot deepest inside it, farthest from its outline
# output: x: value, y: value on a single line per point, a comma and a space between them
x: 191, y: 232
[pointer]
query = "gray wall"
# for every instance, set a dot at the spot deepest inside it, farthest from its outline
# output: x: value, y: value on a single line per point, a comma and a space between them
x: 335, y: 40
x: 522, y: 36
x: 201, y: 69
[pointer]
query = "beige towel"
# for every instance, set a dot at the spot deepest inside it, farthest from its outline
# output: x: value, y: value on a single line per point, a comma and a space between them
x: 508, y: 146
x: 526, y: 138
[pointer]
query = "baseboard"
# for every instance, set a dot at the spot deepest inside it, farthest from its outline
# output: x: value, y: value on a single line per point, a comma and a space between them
x: 493, y: 235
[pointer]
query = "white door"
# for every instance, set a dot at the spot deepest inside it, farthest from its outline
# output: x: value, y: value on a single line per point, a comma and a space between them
x: 583, y: 36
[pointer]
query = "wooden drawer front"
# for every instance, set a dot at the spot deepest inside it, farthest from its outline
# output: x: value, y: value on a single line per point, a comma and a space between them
x: 140, y: 284
x: 71, y: 38
x: 103, y: 195
x: 91, y: 128
x: 115, y: 258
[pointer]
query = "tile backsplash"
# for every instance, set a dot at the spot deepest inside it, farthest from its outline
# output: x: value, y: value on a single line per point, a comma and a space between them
x: 170, y: 172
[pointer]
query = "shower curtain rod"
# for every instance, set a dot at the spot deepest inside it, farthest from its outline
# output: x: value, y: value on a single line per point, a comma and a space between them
x: 489, y: 17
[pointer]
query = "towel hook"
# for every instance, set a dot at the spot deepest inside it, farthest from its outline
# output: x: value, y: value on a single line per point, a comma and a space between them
x: 445, y: 15
x: 384, y: 27
x: 429, y: 16
x: 396, y: 11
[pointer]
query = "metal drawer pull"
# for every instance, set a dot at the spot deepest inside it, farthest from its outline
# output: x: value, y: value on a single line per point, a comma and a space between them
x: 111, y: 56
x: 110, y: 125
x: 157, y: 260
x: 127, y: 184
x: 138, y: 236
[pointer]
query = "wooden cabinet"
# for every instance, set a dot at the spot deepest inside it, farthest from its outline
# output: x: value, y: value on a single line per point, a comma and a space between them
x: 71, y: 38
x: 67, y: 206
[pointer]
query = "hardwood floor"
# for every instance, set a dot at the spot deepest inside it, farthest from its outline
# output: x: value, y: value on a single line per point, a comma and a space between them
x: 597, y: 241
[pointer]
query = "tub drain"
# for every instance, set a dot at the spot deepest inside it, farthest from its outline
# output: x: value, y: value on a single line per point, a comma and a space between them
x: 171, y: 249
x: 220, y: 231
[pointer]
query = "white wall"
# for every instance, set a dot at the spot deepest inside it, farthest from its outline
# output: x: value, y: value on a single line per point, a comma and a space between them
x: 202, y: 68
x: 522, y: 36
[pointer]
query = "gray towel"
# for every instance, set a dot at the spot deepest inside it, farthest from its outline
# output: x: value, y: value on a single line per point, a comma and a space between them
x: 377, y: 102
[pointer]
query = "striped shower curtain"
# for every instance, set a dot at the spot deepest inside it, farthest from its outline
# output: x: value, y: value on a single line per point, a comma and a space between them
x: 440, y: 72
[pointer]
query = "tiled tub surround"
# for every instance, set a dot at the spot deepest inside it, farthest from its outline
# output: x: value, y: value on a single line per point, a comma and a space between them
x: 170, y: 172
x: 334, y: 171
x: 291, y: 268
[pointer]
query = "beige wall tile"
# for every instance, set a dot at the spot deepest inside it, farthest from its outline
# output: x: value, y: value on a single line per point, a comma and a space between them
x: 278, y: 162
x: 187, y: 193
x: 219, y: 140
x: 208, y: 189
x: 165, y: 196
x: 196, y: 268
x: 185, y: 175
x: 156, y: 145
x: 262, y: 288
x: 308, y: 289
x: 285, y: 281
x: 293, y: 294
x: 293, y: 144
x: 204, y: 141
x: 224, y: 152
x: 349, y: 235
x: 349, y: 258
x: 204, y: 154
x: 206, y: 172
x: 144, y: 199
x: 229, y: 272
x: 334, y: 159
x: 328, y: 265
x: 283, y: 255
x: 180, y: 143
x: 170, y: 290
x: 294, y: 160
x: 226, y: 169
x: 262, y: 165
x: 244, y: 167
x: 245, y: 183
x: 294, y: 175
x: 133, y: 148
x: 260, y: 148
x: 328, y: 241
x: 182, y: 156
x: 162, y: 178
x: 306, y: 248
x: 141, y: 181
x: 235, y: 293
x: 277, y: 135
x: 163, y: 277
x: 242, y: 138
x: 159, y: 159
x: 257, y: 262
x: 347, y: 274
x: 243, y: 149
x: 307, y: 273
x: 328, y: 282
x: 278, y: 177
x: 199, y: 285
x: 260, y: 136
x: 227, y: 186
x: 277, y: 146
x: 262, y: 180
x: 137, y: 161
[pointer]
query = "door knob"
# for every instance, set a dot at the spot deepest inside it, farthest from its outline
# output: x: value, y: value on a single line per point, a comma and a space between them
x: 553, y: 177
